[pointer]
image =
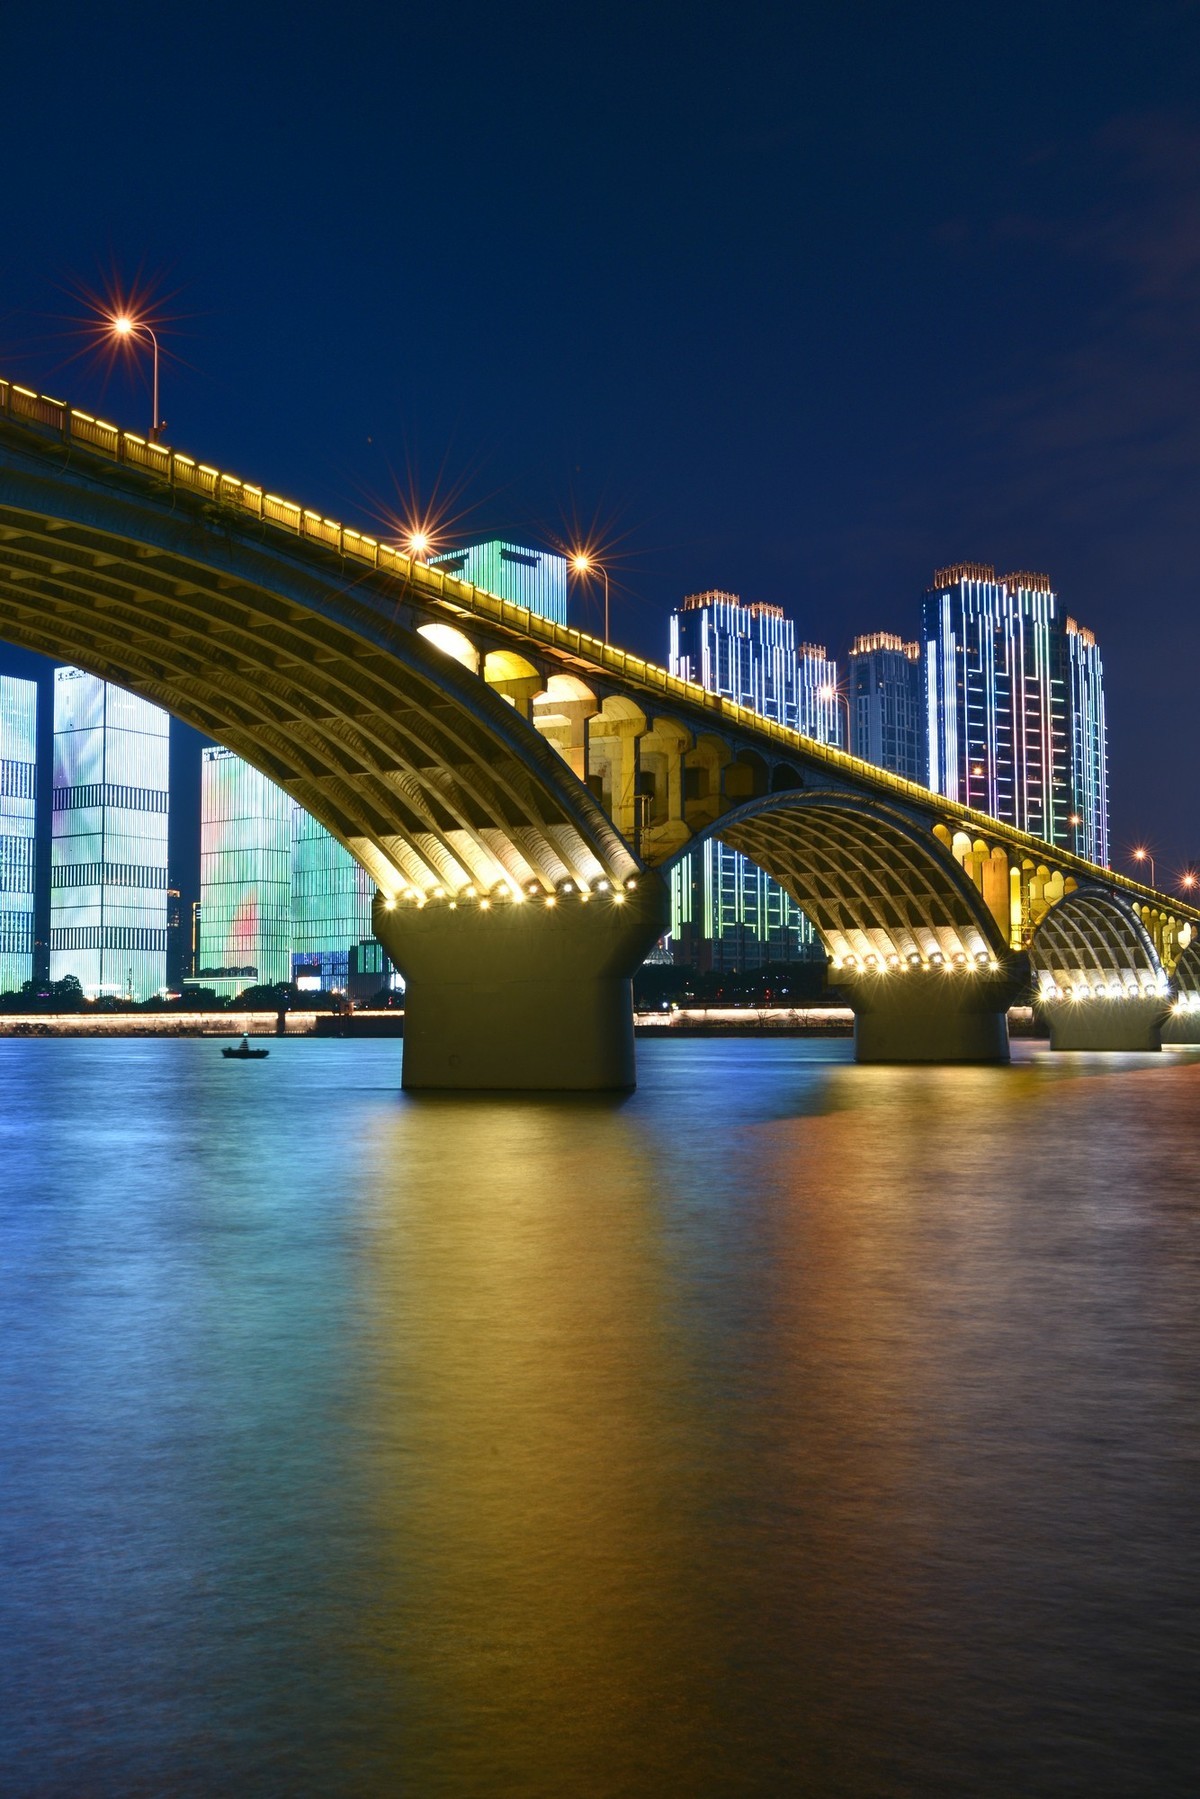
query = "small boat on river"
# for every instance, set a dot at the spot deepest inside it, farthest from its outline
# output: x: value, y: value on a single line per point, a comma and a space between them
x: 243, y: 1053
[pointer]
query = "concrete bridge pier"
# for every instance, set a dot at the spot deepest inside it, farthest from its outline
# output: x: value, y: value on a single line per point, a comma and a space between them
x: 531, y: 995
x: 1131, y: 1022
x: 931, y: 1015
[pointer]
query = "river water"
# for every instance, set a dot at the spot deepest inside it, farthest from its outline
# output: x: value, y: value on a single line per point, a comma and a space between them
x: 789, y: 1427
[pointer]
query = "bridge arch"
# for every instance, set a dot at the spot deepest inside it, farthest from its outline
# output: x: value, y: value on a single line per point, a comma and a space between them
x: 408, y: 757
x: 882, y: 894
x: 1093, y: 945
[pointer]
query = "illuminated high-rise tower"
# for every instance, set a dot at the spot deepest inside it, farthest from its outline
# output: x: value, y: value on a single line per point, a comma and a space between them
x: 108, y: 862
x: 528, y: 577
x: 887, y: 712
x: 725, y: 911
x: 331, y: 907
x: 18, y: 792
x: 1015, y: 706
x: 245, y: 926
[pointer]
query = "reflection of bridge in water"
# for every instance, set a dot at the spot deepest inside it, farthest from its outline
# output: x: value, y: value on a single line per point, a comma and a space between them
x: 518, y: 791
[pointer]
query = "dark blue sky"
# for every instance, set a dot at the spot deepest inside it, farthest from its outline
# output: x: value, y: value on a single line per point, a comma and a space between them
x: 797, y: 302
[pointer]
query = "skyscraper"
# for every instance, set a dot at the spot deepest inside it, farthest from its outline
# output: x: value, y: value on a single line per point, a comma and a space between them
x: 245, y: 877
x: 108, y: 863
x: 331, y: 906
x: 1015, y: 707
x: 725, y: 912
x: 887, y: 712
x: 18, y: 793
x: 280, y: 899
x: 1088, y: 823
x: 528, y: 577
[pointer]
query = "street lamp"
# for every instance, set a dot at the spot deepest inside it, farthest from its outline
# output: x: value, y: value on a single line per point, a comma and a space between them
x: 1189, y: 881
x: 829, y: 692
x: 122, y: 325
x: 1142, y: 854
x: 583, y: 563
x: 418, y: 543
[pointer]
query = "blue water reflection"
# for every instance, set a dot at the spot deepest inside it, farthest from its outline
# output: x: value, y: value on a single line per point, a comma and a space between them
x: 786, y: 1427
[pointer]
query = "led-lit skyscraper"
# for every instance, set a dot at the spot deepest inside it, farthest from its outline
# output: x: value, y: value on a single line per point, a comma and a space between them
x: 108, y: 863
x: 331, y: 906
x: 1015, y: 706
x: 245, y: 935
x: 887, y: 711
x: 1088, y: 823
x: 724, y: 910
x: 528, y: 577
x: 18, y: 793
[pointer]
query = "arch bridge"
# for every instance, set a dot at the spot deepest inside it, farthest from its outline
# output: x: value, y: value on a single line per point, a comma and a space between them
x: 520, y: 792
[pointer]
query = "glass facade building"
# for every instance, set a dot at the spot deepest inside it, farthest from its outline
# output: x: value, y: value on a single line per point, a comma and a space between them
x: 108, y: 861
x: 1015, y: 706
x: 331, y: 907
x: 280, y: 899
x: 513, y: 571
x: 245, y: 923
x: 1088, y: 825
x: 887, y: 705
x: 18, y: 797
x: 725, y: 912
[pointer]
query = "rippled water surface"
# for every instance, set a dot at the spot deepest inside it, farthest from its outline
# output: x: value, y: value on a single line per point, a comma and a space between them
x: 790, y: 1427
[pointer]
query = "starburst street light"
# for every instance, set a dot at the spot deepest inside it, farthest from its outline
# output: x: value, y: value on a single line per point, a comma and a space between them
x: 1142, y: 854
x: 1189, y: 881
x: 126, y: 328
x: 418, y: 543
x: 830, y: 695
x: 583, y: 563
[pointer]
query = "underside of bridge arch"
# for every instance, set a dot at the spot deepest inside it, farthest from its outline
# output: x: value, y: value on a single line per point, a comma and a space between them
x: 1099, y: 979
x: 882, y: 893
x: 909, y: 937
x: 1183, y: 1023
x: 381, y: 733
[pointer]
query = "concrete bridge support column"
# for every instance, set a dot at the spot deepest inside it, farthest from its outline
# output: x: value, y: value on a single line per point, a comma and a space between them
x: 1096, y: 1022
x: 529, y: 996
x: 931, y: 1015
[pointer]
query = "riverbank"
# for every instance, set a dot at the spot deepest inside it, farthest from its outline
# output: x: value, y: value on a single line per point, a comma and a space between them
x: 691, y: 1021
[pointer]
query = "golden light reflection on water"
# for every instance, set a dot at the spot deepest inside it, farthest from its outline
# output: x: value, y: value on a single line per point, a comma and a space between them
x: 538, y: 1460
x: 679, y: 1447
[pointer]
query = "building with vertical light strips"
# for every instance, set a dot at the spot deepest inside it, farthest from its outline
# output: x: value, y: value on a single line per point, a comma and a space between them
x: 18, y: 798
x: 280, y: 899
x: 726, y: 913
x: 108, y: 859
x: 1088, y: 824
x: 332, y: 896
x: 1015, y: 706
x: 528, y: 577
x: 886, y: 704
x: 245, y: 926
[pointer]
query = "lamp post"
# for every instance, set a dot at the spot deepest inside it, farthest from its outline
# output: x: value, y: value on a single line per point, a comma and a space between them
x: 1141, y: 854
x: 585, y: 564
x: 1189, y: 881
x: 418, y: 543
x: 830, y: 692
x: 123, y: 326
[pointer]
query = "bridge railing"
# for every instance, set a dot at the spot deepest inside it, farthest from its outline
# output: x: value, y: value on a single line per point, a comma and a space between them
x: 434, y: 588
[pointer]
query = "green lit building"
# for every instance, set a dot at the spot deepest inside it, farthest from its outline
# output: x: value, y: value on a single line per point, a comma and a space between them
x: 513, y: 571
x: 18, y: 792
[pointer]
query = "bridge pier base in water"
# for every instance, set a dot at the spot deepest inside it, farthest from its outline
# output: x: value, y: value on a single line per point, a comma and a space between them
x: 1106, y: 1024
x: 931, y: 1015
x: 530, y: 995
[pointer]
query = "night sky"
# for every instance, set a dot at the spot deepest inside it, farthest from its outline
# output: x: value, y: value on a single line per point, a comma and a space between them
x: 798, y: 302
